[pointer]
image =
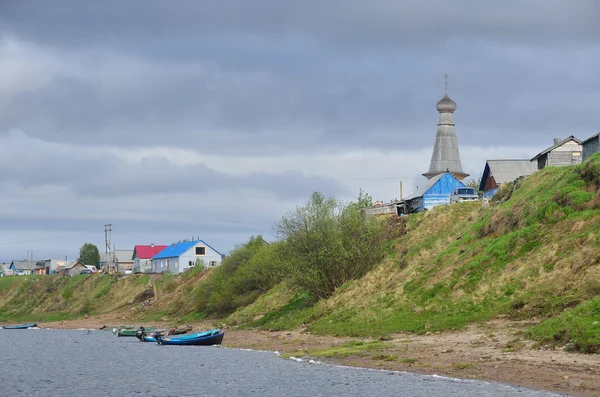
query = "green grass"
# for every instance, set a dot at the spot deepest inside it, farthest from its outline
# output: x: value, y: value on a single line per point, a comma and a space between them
x: 349, y: 349
x: 578, y: 328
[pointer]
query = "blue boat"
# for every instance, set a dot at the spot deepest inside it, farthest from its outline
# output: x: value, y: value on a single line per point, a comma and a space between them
x: 208, y: 338
x: 23, y: 326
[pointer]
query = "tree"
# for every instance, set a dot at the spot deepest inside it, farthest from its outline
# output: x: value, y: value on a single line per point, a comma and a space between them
x: 473, y: 182
x: 89, y: 255
x: 329, y: 242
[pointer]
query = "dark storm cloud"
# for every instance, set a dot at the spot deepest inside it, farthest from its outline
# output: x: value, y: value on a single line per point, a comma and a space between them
x: 268, y: 77
x: 376, y: 21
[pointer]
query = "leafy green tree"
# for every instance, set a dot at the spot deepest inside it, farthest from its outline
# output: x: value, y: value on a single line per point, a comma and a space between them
x: 89, y: 255
x: 329, y: 242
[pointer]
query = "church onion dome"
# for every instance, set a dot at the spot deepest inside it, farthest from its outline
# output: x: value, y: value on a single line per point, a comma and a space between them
x: 446, y: 105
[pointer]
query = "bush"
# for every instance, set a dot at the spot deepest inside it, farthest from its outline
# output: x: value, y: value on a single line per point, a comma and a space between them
x: 250, y: 270
x: 329, y: 242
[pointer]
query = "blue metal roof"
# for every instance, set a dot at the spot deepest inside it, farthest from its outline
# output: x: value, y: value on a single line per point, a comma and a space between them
x: 177, y: 249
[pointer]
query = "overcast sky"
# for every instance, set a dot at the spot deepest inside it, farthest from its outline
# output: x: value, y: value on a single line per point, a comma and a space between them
x: 178, y: 118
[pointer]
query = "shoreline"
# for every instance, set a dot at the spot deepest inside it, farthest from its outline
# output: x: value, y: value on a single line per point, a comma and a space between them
x: 491, y: 351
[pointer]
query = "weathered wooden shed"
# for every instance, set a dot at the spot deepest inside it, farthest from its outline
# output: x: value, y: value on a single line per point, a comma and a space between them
x: 562, y: 153
x: 498, y: 172
x: 436, y: 191
x: 591, y: 146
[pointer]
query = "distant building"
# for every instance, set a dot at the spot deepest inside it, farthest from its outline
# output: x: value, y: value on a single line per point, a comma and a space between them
x: 590, y: 146
x: 498, y: 172
x: 180, y: 257
x: 124, y: 260
x: 142, y: 257
x: 23, y: 268
x: 70, y: 268
x: 562, y: 153
x: 436, y: 191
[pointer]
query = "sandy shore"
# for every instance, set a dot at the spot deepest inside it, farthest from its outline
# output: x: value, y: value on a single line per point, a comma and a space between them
x: 490, y: 352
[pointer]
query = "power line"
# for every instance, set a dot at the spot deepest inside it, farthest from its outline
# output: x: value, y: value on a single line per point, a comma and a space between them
x: 48, y: 238
x: 135, y: 235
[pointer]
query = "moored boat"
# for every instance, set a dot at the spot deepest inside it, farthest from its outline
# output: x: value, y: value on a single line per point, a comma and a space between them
x: 208, y: 338
x: 148, y: 335
x: 22, y: 326
x: 131, y: 332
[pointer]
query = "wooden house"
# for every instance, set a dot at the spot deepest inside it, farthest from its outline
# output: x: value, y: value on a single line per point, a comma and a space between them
x: 23, y: 268
x: 498, y: 172
x: 70, y: 268
x: 562, y: 153
x: 436, y: 191
x: 142, y: 257
x: 591, y: 146
x: 180, y: 257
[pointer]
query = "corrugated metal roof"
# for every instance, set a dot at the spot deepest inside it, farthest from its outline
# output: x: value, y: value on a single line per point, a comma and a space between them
x: 24, y: 265
x: 592, y: 137
x: 555, y: 146
x: 176, y: 249
x: 505, y: 171
x: 148, y: 251
x: 421, y: 191
x: 124, y: 255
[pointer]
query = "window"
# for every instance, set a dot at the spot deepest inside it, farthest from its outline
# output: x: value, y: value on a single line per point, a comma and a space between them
x: 190, y: 263
x: 200, y: 250
x: 466, y: 191
x: 213, y: 263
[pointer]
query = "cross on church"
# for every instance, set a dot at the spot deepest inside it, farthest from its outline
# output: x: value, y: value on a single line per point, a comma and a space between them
x: 446, y: 77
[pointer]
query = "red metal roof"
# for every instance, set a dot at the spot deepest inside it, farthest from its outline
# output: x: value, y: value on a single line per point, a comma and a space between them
x: 147, y: 251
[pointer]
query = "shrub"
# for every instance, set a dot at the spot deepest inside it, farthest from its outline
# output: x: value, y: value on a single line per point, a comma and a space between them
x: 328, y: 242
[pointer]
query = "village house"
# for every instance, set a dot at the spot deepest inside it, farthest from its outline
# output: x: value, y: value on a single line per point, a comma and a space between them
x: 23, y: 268
x: 142, y: 257
x: 70, y: 268
x: 562, y: 153
x: 5, y: 270
x: 186, y: 255
x: 591, y: 146
x: 498, y: 172
x: 124, y: 259
x: 436, y: 191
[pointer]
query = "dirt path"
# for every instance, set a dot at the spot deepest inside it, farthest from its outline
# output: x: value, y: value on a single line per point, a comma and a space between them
x: 494, y: 351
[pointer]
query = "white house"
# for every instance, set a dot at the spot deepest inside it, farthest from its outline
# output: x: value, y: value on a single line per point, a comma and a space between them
x: 183, y: 256
x: 142, y: 257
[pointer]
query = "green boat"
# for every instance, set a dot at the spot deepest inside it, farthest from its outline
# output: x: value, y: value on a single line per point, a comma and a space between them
x: 131, y: 332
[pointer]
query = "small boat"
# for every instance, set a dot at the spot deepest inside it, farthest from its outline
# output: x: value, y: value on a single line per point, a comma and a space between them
x: 131, y: 332
x: 23, y: 326
x: 115, y: 330
x: 147, y: 335
x: 208, y: 338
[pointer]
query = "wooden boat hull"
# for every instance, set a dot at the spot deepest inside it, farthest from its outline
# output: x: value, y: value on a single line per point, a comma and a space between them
x: 202, y: 339
x: 131, y: 332
x: 22, y: 326
x: 145, y: 335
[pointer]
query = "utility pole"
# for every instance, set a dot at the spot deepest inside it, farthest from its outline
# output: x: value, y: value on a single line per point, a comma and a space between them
x: 109, y: 261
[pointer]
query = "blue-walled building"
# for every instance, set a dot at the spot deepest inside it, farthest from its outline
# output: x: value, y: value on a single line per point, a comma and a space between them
x: 436, y: 191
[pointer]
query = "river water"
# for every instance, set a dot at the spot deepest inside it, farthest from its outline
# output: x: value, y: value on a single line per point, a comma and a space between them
x: 39, y: 362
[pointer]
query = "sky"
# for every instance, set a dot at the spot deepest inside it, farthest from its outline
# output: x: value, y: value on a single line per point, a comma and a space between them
x: 213, y: 118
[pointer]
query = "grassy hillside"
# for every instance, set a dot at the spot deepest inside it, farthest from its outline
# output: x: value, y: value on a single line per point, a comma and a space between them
x: 534, y: 255
x: 53, y: 298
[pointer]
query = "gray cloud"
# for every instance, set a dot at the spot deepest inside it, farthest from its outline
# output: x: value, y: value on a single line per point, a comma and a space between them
x: 85, y: 87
